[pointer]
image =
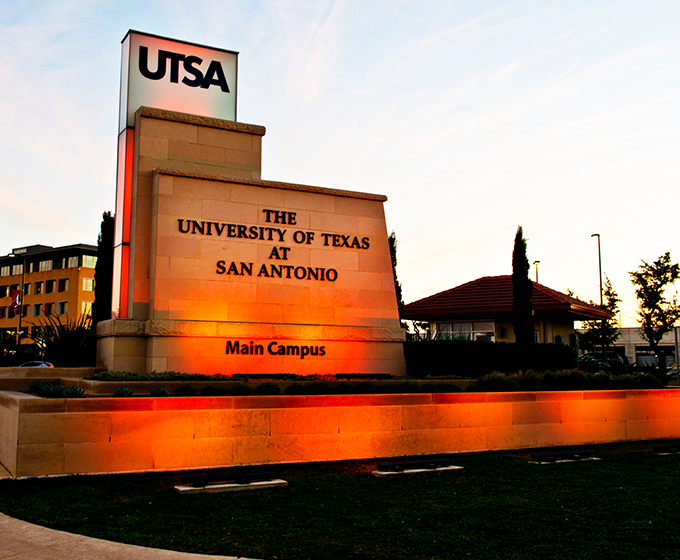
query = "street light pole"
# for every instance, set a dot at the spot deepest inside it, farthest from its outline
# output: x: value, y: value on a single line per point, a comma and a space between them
x: 536, y: 263
x: 677, y: 360
x: 599, y: 260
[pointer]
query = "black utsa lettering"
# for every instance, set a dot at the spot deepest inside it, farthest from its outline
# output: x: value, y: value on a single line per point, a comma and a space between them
x: 194, y: 77
x: 189, y: 62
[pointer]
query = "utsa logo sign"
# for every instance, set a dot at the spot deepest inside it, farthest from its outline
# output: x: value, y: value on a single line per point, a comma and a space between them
x: 193, y: 75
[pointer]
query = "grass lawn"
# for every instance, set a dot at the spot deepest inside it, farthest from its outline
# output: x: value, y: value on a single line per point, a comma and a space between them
x: 500, y: 506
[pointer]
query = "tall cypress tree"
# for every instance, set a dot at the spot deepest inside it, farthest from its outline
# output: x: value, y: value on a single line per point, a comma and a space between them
x: 103, y: 272
x: 522, y: 288
x: 397, y: 285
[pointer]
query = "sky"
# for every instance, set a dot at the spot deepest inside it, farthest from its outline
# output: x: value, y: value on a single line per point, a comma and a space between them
x: 473, y: 117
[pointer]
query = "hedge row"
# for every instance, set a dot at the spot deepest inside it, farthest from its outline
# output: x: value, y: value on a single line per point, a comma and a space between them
x: 472, y: 359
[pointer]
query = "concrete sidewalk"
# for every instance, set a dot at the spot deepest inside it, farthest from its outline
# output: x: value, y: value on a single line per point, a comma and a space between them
x: 24, y: 541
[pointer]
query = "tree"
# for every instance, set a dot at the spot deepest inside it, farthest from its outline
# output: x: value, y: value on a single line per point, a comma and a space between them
x: 522, y: 288
x: 103, y: 271
x: 397, y: 285
x: 657, y: 314
x: 602, y: 333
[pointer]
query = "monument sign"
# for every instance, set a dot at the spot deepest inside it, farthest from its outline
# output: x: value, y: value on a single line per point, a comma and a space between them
x: 219, y: 271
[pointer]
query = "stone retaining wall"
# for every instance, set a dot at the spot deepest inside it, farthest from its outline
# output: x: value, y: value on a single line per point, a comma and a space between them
x: 58, y: 436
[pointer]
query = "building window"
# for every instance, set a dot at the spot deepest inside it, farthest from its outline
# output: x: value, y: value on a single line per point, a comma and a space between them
x: 39, y: 288
x: 3, y: 291
x: 7, y: 335
x: 62, y: 308
x: 63, y: 284
x: 88, y: 284
x: 481, y: 331
x: 3, y: 313
x: 89, y: 261
x: 49, y: 308
x: 72, y: 262
x: 24, y: 310
x: 50, y: 286
x: 45, y: 266
x: 86, y: 308
x: 12, y: 288
x: 37, y: 309
x: 35, y: 332
x: 27, y: 289
x: 18, y: 269
x: 4, y: 271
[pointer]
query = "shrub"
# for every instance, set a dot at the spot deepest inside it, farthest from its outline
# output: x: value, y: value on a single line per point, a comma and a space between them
x: 241, y: 390
x: 212, y: 391
x: 155, y: 376
x: 185, y: 391
x: 466, y: 358
x: 268, y: 389
x: 567, y: 380
x: 528, y: 380
x: 440, y: 388
x: 495, y: 382
x: 159, y: 392
x: 55, y: 391
x: 122, y: 392
x: 68, y: 344
x: 73, y: 392
x: 295, y: 389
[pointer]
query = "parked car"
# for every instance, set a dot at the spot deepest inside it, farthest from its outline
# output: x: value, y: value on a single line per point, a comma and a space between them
x: 36, y: 364
x: 608, y: 361
x: 607, y: 356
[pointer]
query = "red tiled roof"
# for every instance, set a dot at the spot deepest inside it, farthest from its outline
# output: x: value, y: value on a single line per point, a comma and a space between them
x: 491, y: 297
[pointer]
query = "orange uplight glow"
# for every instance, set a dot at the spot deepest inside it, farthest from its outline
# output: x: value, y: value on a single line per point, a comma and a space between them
x: 138, y: 434
x: 121, y: 255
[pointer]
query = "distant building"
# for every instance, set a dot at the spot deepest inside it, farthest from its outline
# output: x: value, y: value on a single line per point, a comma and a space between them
x: 482, y: 310
x: 637, y: 350
x: 54, y: 281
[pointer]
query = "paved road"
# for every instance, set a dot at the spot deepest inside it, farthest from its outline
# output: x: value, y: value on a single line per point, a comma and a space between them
x: 24, y: 541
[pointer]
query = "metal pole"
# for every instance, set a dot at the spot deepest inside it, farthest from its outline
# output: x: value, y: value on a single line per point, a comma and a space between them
x: 599, y: 260
x: 21, y: 307
x: 677, y: 362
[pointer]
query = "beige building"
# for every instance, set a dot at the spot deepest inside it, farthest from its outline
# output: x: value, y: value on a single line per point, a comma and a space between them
x: 56, y: 281
x: 636, y: 349
x: 482, y: 310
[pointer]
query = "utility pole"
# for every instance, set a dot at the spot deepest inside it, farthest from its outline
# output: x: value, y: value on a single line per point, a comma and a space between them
x: 599, y: 260
x: 677, y: 356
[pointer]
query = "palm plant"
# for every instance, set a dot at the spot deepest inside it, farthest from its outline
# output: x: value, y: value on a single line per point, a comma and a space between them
x: 69, y: 343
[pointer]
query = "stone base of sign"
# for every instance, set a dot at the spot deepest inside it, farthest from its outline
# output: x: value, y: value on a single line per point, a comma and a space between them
x: 229, y: 273
x: 202, y: 346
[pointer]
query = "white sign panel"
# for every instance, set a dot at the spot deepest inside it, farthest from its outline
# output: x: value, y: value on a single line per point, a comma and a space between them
x: 177, y: 76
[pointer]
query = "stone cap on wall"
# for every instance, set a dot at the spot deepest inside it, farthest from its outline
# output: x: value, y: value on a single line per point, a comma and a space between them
x: 269, y: 184
x: 226, y: 329
x: 187, y: 118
